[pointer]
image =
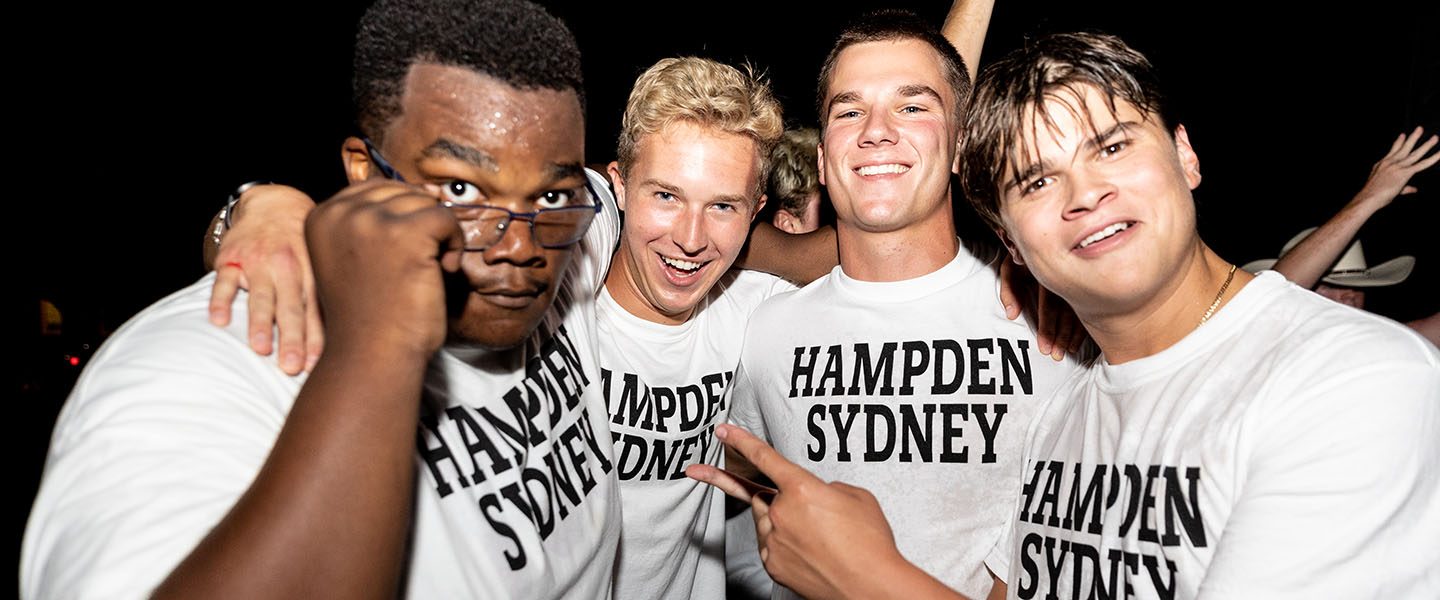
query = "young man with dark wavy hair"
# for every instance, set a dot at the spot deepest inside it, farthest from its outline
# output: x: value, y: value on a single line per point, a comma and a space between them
x: 1237, y: 437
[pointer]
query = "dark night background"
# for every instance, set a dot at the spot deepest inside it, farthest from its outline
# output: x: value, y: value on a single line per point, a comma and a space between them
x: 135, y: 123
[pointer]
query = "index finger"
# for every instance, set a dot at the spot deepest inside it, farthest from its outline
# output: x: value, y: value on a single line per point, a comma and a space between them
x: 779, y: 469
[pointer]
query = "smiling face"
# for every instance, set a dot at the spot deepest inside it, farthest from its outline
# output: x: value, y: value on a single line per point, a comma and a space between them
x: 1102, y: 212
x: 485, y: 142
x: 888, y: 145
x: 688, y: 200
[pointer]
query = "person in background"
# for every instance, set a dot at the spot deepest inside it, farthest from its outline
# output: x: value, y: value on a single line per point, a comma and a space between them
x: 795, y: 192
x: 1327, y: 261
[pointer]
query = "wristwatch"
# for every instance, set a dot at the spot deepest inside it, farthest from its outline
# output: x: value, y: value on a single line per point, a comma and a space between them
x: 222, y: 224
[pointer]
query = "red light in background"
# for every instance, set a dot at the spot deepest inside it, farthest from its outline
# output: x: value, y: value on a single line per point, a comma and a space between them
x: 74, y: 361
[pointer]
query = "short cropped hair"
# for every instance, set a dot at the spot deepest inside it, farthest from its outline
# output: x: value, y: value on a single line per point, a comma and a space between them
x: 514, y: 41
x: 896, y: 25
x: 707, y: 93
x: 794, y: 172
x: 1012, y: 93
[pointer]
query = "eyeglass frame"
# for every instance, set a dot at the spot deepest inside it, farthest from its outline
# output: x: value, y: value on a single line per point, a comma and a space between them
x: 504, y: 226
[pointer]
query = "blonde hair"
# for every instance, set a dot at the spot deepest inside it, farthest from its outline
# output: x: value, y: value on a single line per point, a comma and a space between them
x: 707, y: 93
x: 794, y: 172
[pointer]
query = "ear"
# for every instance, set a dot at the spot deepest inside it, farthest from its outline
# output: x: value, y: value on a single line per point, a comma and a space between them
x: 786, y: 222
x: 759, y: 206
x: 1009, y: 245
x: 955, y: 164
x: 356, y: 159
x: 1189, y: 163
x: 613, y: 169
x: 820, y: 161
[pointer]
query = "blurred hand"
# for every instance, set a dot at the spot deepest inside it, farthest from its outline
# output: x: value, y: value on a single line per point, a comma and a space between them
x: 1390, y: 176
x: 1058, y: 328
x: 816, y: 538
x: 378, y: 250
x: 264, y: 252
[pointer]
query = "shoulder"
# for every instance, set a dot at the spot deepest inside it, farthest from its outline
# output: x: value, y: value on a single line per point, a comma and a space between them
x: 168, y: 363
x: 593, y: 252
x: 1316, y: 331
x: 783, y: 299
x: 750, y: 287
x: 165, y: 427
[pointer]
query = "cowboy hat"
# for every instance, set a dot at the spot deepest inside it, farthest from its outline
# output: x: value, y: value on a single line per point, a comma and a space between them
x: 1351, y: 270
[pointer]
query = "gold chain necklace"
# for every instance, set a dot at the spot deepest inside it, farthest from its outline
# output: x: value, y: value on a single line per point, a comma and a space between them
x: 1216, y: 303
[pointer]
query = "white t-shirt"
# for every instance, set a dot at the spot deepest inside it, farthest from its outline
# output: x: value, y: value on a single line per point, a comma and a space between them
x: 665, y: 388
x: 172, y: 419
x: 918, y: 390
x: 1288, y: 448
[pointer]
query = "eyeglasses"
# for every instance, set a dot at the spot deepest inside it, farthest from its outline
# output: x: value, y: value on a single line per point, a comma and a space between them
x: 485, y: 225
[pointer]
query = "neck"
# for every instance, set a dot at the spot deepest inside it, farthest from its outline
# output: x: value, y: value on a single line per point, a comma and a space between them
x: 918, y: 249
x: 627, y: 294
x: 1170, y: 313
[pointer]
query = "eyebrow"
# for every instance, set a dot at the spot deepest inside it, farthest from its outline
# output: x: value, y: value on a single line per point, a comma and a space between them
x: 1091, y: 143
x: 906, y: 91
x: 662, y: 185
x: 842, y: 98
x: 1099, y: 138
x: 727, y: 198
x: 445, y: 148
x: 916, y: 89
x: 558, y: 171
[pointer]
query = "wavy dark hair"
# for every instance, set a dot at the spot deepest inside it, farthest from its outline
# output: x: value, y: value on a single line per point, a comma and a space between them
x: 1011, y: 93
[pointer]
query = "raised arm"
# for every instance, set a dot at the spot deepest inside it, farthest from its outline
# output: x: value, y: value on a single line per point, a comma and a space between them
x: 1309, y: 260
x: 965, y: 27
x: 328, y: 513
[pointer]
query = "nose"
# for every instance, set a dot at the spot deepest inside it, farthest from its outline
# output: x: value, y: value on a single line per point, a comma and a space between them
x: 879, y: 129
x: 516, y: 246
x: 1089, y: 190
x: 689, y: 233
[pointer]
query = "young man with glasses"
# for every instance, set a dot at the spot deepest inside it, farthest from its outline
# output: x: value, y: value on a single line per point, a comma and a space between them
x: 452, y: 441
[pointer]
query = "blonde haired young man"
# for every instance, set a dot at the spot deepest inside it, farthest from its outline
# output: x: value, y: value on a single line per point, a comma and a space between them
x: 693, y: 153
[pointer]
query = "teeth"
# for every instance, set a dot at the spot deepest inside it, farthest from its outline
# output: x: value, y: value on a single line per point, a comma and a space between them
x: 683, y: 265
x: 1104, y: 233
x: 882, y: 169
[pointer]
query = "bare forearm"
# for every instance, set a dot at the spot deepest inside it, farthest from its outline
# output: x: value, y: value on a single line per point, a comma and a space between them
x: 328, y: 514
x: 798, y: 258
x: 965, y: 26
x: 898, y: 578
x: 1308, y: 261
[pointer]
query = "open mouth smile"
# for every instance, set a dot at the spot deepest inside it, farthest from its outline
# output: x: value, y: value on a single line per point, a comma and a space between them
x: 887, y: 169
x: 681, y: 268
x: 1105, y: 233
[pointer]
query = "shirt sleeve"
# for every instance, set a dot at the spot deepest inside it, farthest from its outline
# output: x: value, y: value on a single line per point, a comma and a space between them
x: 598, y: 245
x: 1342, y: 493
x: 162, y: 434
